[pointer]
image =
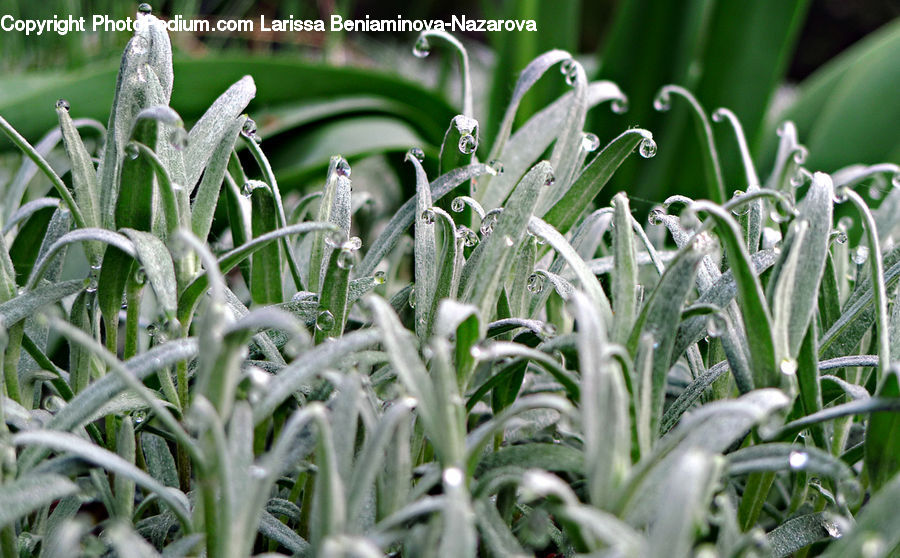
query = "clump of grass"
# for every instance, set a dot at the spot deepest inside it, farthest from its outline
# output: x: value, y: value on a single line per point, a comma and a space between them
x: 553, y: 379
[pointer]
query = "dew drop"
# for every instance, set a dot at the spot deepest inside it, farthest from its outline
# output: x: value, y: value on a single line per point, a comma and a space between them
x: 63, y: 104
x: 145, y: 9
x: 535, y: 283
x: 487, y: 224
x: 131, y: 150
x: 476, y: 352
x: 590, y: 142
x: 496, y: 166
x: 656, y: 216
x: 247, y: 189
x: 300, y: 296
x: 839, y: 236
x: 412, y: 298
x: 139, y: 416
x: 798, y: 460
x: 178, y: 138
x: 845, y: 223
x: 467, y: 144
x: 860, y: 255
x: 714, y: 325
x: 54, y: 404
x: 140, y: 276
x: 422, y: 48
x: 647, y: 148
x: 873, y: 546
x: 343, y: 168
x: 453, y: 476
x: 417, y: 153
x: 508, y: 241
x: 346, y: 259
x: 428, y: 216
x: 325, y: 321
x: 249, y: 129
x: 335, y: 239
x: 354, y: 243
x: 458, y: 204
x: 841, y: 194
x: 619, y: 105
x: 663, y: 101
x: 875, y: 192
x: 895, y: 180
x: 548, y: 329
x: 788, y: 366
x: 771, y: 238
x: 550, y: 180
x: 379, y: 278
x: 567, y: 66
x: 257, y: 472
x: 468, y: 236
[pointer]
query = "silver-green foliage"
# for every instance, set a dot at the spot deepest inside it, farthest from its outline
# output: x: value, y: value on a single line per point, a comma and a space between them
x: 562, y: 380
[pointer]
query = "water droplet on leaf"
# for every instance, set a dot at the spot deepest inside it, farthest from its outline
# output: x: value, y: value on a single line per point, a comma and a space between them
x: 656, y: 216
x: 428, y: 216
x: 63, y: 104
x: 458, y: 204
x: 619, y: 105
x: 422, y: 48
x: 131, y: 150
x: 467, y: 144
x: 590, y: 142
x: 343, y: 168
x: 346, y: 259
x: 647, y: 148
x: 496, y: 166
x: 860, y: 255
x: 788, y: 366
x: 325, y: 321
x: 663, y: 101
x: 798, y: 460
x: 417, y: 153
x: 145, y: 9
x: 178, y: 138
x: 535, y: 283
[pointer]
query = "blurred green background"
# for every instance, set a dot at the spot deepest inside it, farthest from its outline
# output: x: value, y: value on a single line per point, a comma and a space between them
x: 831, y: 66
